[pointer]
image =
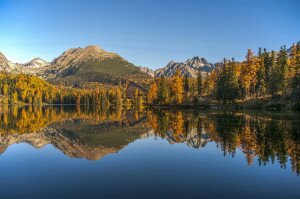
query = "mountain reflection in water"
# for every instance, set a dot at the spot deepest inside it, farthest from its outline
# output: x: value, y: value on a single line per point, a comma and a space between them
x: 92, y: 134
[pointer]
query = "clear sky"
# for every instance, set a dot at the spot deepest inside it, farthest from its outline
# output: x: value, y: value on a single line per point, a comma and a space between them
x: 147, y: 32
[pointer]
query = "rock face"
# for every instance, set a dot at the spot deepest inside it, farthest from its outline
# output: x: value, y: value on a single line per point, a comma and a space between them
x: 3, y: 61
x: 36, y: 63
x: 34, y: 66
x: 6, y: 65
x: 147, y: 70
x: 191, y: 67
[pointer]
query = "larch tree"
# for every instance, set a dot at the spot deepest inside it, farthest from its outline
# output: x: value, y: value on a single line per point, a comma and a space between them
x: 152, y: 93
x: 177, y: 87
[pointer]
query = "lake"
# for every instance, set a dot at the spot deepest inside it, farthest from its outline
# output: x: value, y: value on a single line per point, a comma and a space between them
x: 76, y: 152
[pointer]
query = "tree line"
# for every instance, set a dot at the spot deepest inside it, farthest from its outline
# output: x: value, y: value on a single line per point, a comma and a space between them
x: 28, y: 89
x: 265, y: 75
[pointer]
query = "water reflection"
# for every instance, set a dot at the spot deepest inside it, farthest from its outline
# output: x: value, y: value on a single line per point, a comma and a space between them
x: 91, y: 134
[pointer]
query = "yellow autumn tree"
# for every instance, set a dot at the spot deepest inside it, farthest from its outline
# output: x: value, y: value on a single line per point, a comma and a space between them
x: 152, y: 93
x: 176, y: 86
x: 248, y: 72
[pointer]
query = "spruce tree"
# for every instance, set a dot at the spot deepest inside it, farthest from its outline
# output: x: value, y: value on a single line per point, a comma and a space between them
x: 228, y: 85
x: 199, y: 83
x: 282, y: 64
x: 274, y: 79
x: 260, y: 86
x: 163, y: 91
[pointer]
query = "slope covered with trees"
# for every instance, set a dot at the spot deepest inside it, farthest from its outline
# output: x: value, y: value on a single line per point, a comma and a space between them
x: 267, y: 75
x: 28, y: 89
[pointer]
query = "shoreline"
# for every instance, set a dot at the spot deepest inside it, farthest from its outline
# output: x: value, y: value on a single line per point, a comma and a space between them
x: 251, y: 104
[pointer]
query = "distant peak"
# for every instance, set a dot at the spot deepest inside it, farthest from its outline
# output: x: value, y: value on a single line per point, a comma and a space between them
x: 2, y: 56
x: 93, y: 47
x: 37, y: 58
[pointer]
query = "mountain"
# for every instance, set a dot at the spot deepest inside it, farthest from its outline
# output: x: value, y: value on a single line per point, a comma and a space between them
x: 85, y: 66
x: 6, y: 65
x: 36, y: 63
x: 3, y: 61
x: 191, y: 67
x: 32, y: 67
x: 147, y: 70
x: 90, y: 64
x: 79, y: 66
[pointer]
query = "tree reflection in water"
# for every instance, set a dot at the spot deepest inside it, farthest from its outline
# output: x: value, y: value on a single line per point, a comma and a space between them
x: 80, y: 132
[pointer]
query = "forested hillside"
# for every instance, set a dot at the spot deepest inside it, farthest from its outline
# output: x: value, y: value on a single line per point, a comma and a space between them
x: 267, y: 76
x: 28, y: 89
x: 274, y: 75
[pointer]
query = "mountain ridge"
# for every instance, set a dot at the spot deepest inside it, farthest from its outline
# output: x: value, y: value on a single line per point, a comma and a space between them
x: 191, y: 67
x: 78, y: 66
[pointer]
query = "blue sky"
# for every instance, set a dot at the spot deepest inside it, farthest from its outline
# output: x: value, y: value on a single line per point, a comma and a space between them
x: 147, y: 32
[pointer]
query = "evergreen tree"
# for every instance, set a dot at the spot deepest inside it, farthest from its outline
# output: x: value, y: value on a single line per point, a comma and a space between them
x: 282, y: 64
x: 295, y: 65
x: 275, y: 74
x: 186, y: 85
x: 163, y: 91
x: 260, y: 86
x: 228, y: 85
x: 199, y: 83
x: 267, y: 60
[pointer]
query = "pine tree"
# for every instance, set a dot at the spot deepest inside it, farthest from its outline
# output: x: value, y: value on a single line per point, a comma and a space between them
x: 228, y: 85
x: 267, y: 60
x: 282, y: 64
x: 163, y: 91
x: 186, y: 84
x: 199, y: 83
x: 260, y: 86
x: 295, y: 65
x: 274, y: 79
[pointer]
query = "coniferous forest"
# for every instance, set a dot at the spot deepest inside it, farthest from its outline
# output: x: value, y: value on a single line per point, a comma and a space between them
x: 269, y: 75
x: 265, y: 76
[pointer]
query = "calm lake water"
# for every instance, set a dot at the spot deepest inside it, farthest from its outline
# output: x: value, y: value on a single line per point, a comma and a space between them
x: 72, y: 152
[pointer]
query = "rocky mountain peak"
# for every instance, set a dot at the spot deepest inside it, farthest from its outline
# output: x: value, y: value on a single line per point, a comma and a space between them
x: 36, y: 63
x: 2, y: 57
x: 147, y: 70
x: 6, y: 65
x: 74, y: 56
x: 93, y: 48
x: 190, y: 67
x: 3, y: 61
